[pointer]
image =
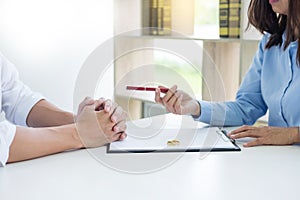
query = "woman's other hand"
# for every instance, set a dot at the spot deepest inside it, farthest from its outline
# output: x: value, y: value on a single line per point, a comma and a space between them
x: 267, y: 135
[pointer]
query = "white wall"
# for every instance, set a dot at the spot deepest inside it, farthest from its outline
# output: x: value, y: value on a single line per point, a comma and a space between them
x: 48, y: 41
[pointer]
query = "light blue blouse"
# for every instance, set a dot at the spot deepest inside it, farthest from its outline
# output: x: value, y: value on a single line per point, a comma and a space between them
x: 272, y: 83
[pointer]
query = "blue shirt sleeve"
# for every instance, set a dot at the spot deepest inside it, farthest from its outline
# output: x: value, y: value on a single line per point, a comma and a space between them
x: 249, y: 104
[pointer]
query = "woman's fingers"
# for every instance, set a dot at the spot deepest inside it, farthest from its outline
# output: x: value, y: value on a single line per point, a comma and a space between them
x: 169, y: 95
x: 158, y: 99
x: 266, y: 135
x: 239, y: 130
x: 169, y: 100
x: 247, y: 133
x: 256, y: 142
x: 171, y: 103
x: 177, y: 105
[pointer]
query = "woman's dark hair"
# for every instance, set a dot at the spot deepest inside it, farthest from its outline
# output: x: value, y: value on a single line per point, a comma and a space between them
x: 264, y: 19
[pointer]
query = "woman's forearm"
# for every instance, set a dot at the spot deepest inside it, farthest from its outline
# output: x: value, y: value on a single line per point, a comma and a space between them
x: 31, y: 143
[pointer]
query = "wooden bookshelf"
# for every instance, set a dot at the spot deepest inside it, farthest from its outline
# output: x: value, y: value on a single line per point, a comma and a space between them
x: 227, y: 59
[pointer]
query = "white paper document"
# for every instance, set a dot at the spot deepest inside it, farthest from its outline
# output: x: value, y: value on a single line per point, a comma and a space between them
x: 173, y: 140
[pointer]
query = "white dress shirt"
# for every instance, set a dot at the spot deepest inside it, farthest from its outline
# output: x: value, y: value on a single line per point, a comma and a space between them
x: 16, y: 101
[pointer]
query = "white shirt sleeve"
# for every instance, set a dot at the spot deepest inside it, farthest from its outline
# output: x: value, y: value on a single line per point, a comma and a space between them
x: 16, y: 100
x: 7, y: 134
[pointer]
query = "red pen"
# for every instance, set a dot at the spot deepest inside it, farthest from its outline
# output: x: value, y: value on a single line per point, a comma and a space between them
x: 163, y: 90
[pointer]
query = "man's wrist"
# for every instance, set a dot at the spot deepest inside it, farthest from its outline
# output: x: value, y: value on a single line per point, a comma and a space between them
x: 76, y: 138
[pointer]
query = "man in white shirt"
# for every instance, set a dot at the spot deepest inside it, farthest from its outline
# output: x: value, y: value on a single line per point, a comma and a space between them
x: 98, y: 122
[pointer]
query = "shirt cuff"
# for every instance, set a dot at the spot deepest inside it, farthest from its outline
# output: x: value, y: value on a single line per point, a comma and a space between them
x: 7, y: 134
x: 212, y: 113
x: 27, y: 105
x: 205, y: 112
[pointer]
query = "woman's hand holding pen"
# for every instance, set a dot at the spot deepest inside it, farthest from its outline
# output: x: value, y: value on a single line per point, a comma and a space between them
x: 267, y: 135
x: 99, y: 122
x: 178, y: 102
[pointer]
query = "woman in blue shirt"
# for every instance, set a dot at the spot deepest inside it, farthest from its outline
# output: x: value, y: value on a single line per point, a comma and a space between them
x: 272, y: 82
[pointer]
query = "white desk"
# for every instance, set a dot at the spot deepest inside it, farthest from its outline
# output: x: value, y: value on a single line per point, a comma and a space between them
x: 269, y: 172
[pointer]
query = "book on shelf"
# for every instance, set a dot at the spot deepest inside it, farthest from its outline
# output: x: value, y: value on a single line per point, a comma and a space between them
x: 230, y: 18
x: 234, y: 18
x: 167, y: 17
x: 157, y: 17
x: 224, y: 18
x: 146, y: 16
x: 153, y: 17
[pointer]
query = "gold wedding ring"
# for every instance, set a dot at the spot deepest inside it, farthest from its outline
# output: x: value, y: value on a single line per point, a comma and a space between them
x: 173, y: 143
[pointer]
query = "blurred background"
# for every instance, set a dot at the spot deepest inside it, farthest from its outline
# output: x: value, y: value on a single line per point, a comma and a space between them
x: 48, y: 41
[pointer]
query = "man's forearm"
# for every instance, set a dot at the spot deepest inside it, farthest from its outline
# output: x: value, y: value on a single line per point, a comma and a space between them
x: 45, y: 114
x: 37, y: 142
x: 295, y: 132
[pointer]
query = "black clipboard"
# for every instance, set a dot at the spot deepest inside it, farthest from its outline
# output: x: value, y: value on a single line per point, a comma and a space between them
x: 209, y: 139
